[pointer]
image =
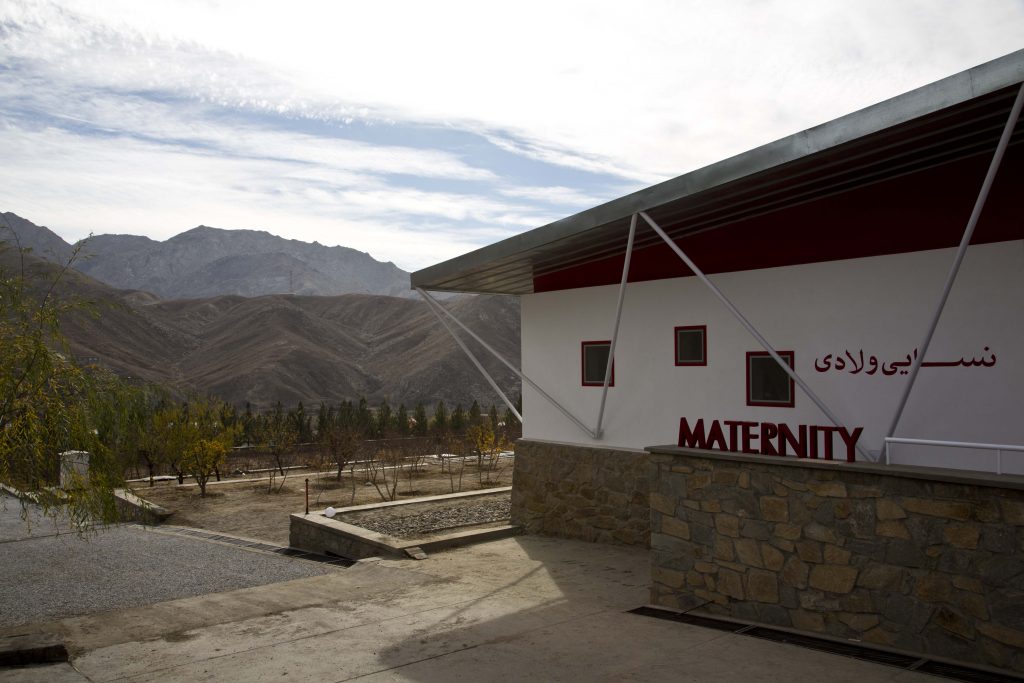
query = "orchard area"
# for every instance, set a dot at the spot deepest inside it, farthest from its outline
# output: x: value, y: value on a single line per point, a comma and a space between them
x: 261, y: 485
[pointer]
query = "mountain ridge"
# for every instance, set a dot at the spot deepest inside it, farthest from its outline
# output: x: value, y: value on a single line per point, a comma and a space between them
x: 287, y: 347
x: 186, y: 265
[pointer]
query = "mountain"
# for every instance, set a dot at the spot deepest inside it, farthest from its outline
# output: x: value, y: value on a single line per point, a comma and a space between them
x: 43, y: 242
x: 287, y: 347
x: 205, y: 262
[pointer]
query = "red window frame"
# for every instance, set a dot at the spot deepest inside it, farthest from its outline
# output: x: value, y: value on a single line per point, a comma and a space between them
x: 583, y: 363
x: 704, y: 338
x: 786, y: 355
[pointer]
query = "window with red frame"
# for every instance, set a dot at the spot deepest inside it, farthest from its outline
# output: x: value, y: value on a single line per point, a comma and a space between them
x: 767, y: 383
x: 594, y: 361
x: 691, y: 345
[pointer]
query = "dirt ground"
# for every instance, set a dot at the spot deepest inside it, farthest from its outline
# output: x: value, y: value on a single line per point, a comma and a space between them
x: 249, y: 508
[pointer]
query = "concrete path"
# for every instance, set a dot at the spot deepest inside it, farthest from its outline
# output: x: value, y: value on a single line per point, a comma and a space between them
x: 525, y: 608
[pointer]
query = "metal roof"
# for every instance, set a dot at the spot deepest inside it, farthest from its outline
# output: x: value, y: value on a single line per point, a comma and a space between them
x: 951, y: 119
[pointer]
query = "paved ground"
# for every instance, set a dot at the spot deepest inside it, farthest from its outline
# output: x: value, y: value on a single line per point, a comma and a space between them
x: 50, y: 573
x: 524, y: 608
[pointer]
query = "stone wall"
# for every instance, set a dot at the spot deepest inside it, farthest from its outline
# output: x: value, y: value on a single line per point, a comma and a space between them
x: 592, y: 494
x: 923, y: 560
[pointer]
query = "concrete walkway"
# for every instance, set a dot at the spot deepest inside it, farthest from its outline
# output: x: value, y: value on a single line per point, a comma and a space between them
x: 516, y: 609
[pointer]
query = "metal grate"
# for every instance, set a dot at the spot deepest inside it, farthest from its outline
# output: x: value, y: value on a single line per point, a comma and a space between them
x: 959, y: 672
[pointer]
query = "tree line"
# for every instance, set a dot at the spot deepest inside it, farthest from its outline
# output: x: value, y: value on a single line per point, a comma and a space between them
x: 50, y: 404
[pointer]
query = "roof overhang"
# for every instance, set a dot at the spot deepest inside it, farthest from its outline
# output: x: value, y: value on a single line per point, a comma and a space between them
x: 952, y: 119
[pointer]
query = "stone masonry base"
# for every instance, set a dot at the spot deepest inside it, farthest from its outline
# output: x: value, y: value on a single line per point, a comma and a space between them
x: 592, y: 494
x: 928, y: 561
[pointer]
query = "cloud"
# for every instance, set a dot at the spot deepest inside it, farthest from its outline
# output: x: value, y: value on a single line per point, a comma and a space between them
x: 331, y: 121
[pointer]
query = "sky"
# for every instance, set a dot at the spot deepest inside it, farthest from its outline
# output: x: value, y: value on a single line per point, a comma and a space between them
x: 418, y: 131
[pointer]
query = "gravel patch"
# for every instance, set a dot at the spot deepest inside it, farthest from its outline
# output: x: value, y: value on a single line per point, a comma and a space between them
x: 62, y: 575
x: 437, y: 517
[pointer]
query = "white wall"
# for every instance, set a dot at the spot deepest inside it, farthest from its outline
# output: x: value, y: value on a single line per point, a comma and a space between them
x: 880, y: 305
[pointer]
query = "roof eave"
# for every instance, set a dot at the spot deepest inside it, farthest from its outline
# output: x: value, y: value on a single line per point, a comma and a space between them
x: 950, y: 91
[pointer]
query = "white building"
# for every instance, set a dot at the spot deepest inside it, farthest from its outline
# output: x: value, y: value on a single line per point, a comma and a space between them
x: 834, y: 244
x: 879, y: 259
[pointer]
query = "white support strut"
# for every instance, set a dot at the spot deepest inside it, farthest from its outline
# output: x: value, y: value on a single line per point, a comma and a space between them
x: 747, y: 324
x: 487, y: 376
x: 979, y: 204
x: 615, y: 330
x: 437, y: 307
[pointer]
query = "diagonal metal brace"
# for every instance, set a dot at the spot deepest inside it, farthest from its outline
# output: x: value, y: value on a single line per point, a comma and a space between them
x: 747, y: 324
x: 465, y: 349
x: 438, y: 308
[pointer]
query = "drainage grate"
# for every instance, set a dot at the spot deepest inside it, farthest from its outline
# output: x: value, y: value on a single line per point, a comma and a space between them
x: 335, y: 560
x: 683, y: 617
x: 965, y: 673
x: 855, y: 650
x: 958, y: 672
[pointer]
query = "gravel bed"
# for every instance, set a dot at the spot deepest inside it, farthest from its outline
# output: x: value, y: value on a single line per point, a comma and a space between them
x: 48, y: 576
x: 495, y: 509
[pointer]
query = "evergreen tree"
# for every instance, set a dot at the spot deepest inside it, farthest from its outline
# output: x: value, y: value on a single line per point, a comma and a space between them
x: 474, y: 414
x: 440, y: 418
x: 402, y: 420
x: 364, y: 418
x: 420, y: 416
x: 458, y: 420
x: 493, y: 415
x: 385, y: 419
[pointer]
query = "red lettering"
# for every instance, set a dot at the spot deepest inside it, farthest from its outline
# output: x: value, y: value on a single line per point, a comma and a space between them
x: 733, y: 425
x: 769, y: 438
x: 717, y: 436
x: 768, y: 432
x: 851, y: 442
x: 692, y: 438
x: 748, y: 436
x: 799, y: 443
x: 827, y: 440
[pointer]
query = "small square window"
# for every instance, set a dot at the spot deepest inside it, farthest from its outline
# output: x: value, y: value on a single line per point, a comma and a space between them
x: 692, y: 345
x: 595, y: 362
x: 767, y: 383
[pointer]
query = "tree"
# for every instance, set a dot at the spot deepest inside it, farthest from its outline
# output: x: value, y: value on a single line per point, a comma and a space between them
x: 301, y: 424
x: 202, y: 458
x: 339, y: 435
x: 205, y: 437
x: 402, y: 420
x: 458, y: 420
x: 420, y: 416
x: 44, y: 397
x: 440, y: 418
x: 385, y: 419
x: 474, y: 414
x: 493, y: 415
x: 281, y: 436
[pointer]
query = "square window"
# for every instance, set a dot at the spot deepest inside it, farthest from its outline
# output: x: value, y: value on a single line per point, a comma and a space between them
x: 595, y: 362
x: 692, y: 345
x: 767, y: 383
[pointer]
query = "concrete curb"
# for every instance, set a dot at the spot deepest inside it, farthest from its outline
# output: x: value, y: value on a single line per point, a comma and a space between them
x: 139, y: 509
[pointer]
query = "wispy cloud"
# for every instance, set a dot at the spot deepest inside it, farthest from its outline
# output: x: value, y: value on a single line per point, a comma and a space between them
x: 416, y: 131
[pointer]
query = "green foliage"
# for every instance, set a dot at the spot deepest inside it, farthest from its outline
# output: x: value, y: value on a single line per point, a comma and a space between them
x: 420, y: 416
x: 440, y: 418
x: 202, y: 458
x: 402, y: 420
x: 385, y: 420
x: 474, y: 414
x: 47, y: 403
x: 458, y: 420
